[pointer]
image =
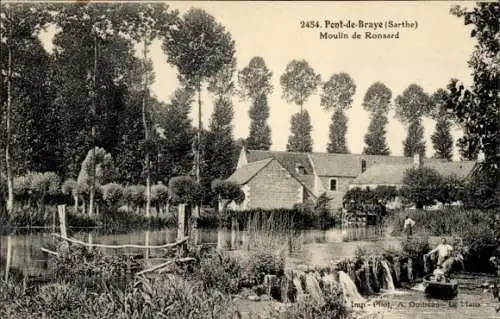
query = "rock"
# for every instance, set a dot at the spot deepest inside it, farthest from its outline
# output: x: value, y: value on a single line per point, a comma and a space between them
x: 253, y: 298
x: 269, y: 282
x: 285, y: 287
x: 410, y: 270
x: 313, y: 289
x: 298, y: 286
x: 265, y: 298
x: 329, y: 282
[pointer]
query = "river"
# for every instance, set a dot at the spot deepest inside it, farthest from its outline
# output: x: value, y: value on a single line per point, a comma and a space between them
x: 317, y: 248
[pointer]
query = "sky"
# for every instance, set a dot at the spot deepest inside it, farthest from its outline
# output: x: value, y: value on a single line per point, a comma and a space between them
x: 428, y: 55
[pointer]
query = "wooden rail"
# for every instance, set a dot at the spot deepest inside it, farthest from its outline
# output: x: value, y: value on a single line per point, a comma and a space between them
x: 165, y: 264
x: 164, y: 246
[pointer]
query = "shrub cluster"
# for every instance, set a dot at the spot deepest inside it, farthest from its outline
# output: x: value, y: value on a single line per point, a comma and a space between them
x: 264, y: 263
x: 479, y: 231
x: 146, y: 298
x: 298, y: 218
x: 221, y: 272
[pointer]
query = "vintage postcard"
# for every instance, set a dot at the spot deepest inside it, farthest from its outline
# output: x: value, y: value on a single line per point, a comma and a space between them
x: 249, y: 159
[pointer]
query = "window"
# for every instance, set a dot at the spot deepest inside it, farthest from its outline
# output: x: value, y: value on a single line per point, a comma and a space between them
x: 333, y: 184
x: 299, y: 169
x: 363, y: 166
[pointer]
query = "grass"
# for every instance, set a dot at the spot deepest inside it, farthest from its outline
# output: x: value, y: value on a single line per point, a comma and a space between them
x: 273, y: 232
x: 90, y: 285
x: 474, y: 232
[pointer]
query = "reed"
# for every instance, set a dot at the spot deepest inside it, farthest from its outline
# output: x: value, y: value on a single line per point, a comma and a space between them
x: 273, y: 231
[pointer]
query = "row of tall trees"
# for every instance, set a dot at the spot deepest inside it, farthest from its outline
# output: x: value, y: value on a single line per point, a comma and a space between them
x: 92, y: 91
x: 299, y: 82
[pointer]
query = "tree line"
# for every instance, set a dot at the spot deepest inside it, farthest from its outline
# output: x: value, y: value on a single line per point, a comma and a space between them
x: 93, y: 91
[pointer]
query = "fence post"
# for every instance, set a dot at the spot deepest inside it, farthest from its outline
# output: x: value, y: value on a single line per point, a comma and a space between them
x: 146, y: 242
x: 61, y: 209
x: 53, y: 221
x: 234, y: 232
x: 90, y: 242
x: 194, y: 226
x: 9, y: 257
x: 181, y: 228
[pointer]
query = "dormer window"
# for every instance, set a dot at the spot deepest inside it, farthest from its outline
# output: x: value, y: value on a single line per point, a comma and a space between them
x: 299, y: 169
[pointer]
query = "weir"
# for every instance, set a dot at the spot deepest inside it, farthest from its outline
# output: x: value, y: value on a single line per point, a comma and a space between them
x: 388, y: 281
x: 349, y: 288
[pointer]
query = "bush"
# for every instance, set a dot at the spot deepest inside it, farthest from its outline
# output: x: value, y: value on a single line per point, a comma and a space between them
x: 112, y: 193
x: 119, y: 221
x: 134, y: 195
x: 93, y: 270
x: 483, y: 190
x: 159, y: 194
x: 264, y: 263
x: 69, y: 187
x: 334, y: 307
x: 425, y: 186
x: 228, y: 192
x: 221, y: 272
x: 147, y: 299
x: 80, y: 220
x: 183, y: 190
x: 415, y: 247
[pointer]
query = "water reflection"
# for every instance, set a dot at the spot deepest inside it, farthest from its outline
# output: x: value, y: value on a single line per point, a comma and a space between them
x: 318, y: 247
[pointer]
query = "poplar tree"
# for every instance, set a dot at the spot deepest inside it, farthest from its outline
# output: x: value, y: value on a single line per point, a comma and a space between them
x: 442, y: 140
x: 375, y: 139
x: 19, y: 23
x: 377, y: 101
x: 199, y: 47
x: 254, y: 83
x: 411, y: 106
x: 337, y: 95
x: 219, y: 148
x: 298, y: 83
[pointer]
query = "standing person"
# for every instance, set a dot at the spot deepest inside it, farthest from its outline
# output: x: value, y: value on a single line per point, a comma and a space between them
x: 443, y: 251
x: 408, y: 225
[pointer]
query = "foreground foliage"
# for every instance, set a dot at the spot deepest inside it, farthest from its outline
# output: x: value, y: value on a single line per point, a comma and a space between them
x: 478, y: 231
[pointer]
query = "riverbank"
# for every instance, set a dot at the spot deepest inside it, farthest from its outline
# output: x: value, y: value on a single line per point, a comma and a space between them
x: 314, y: 254
x: 473, y: 233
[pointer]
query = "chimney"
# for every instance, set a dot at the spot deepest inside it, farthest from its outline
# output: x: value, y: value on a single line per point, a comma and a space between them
x: 417, y: 161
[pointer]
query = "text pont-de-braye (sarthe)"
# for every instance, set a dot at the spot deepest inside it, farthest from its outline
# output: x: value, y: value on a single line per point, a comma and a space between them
x: 328, y: 29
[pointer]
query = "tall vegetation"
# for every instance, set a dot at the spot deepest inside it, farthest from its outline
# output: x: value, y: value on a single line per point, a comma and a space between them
x: 175, y: 153
x: 19, y: 28
x: 298, y: 83
x: 442, y: 141
x: 219, y: 147
x: 477, y: 108
x: 377, y: 101
x: 424, y: 186
x: 147, y: 23
x: 199, y: 47
x: 337, y: 95
x: 255, y: 84
x: 411, y: 106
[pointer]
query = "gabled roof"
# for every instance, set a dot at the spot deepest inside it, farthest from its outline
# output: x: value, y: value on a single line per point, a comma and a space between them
x: 349, y: 165
x: 289, y: 160
x: 392, y: 174
x: 245, y: 173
